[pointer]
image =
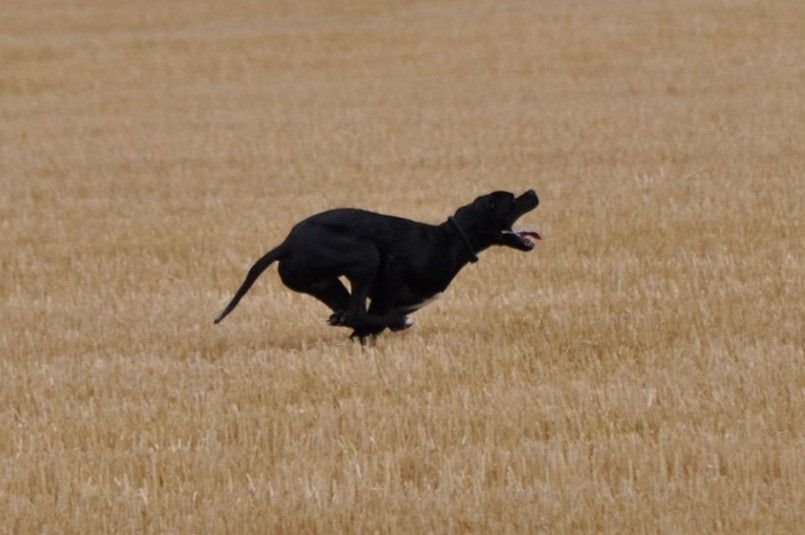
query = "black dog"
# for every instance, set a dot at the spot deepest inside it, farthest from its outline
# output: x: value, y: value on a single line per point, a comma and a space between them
x: 399, y: 264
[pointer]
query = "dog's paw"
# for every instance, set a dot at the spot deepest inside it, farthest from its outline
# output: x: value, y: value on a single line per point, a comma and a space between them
x: 401, y: 323
x: 361, y: 337
x: 362, y: 334
x: 336, y: 318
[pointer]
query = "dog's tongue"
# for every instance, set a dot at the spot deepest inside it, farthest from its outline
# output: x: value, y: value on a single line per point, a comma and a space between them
x: 529, y: 233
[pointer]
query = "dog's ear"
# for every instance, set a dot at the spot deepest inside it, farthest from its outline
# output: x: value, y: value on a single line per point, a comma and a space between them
x: 484, y: 203
x: 488, y: 202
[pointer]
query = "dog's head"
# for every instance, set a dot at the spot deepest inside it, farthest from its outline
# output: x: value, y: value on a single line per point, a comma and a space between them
x: 489, y: 219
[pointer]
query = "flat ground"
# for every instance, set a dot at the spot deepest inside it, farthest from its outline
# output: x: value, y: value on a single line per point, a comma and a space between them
x: 643, y: 370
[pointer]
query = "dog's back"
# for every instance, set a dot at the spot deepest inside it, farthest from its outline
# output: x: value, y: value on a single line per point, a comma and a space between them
x: 359, y: 225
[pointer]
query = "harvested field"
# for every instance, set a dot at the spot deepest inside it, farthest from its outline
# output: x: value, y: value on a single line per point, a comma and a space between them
x: 643, y: 370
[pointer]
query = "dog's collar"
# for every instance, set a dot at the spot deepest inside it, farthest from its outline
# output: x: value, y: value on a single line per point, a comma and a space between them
x: 464, y: 238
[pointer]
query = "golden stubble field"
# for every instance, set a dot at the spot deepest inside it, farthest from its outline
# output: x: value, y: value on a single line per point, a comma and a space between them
x: 641, y: 371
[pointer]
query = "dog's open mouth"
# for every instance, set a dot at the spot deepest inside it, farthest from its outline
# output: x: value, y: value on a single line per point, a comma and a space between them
x: 522, y: 237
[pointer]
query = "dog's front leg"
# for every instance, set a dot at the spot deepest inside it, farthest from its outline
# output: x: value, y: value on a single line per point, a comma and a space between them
x: 363, y: 336
x: 356, y: 315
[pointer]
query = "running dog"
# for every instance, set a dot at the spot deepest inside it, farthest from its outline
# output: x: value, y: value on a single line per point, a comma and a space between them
x: 398, y: 264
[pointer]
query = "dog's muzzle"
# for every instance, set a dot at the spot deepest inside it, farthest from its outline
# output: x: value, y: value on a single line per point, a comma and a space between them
x: 521, y: 238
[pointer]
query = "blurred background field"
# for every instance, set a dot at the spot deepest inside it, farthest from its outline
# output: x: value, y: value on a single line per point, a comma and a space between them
x: 643, y: 370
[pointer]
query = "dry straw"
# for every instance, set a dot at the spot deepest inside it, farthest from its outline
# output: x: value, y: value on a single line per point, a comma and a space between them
x: 641, y: 371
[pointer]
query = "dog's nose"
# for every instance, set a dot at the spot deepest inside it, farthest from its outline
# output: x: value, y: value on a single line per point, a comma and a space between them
x: 531, y: 195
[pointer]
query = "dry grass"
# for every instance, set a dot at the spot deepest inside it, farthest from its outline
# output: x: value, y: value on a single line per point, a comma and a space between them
x: 642, y: 371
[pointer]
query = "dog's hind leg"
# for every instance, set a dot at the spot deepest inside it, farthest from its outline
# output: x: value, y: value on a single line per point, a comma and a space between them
x: 330, y: 292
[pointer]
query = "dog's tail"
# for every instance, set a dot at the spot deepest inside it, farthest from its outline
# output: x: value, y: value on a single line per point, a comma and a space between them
x: 258, y: 267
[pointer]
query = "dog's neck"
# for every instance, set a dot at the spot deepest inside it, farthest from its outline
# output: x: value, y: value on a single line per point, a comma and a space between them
x: 463, y: 236
x: 464, y: 243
